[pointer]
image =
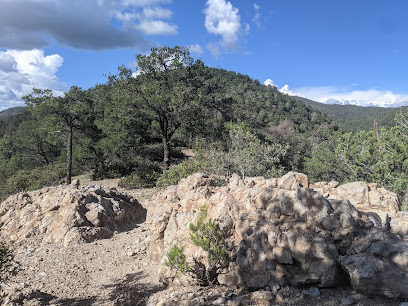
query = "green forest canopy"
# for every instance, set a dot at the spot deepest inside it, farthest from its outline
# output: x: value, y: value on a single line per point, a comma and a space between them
x: 127, y: 126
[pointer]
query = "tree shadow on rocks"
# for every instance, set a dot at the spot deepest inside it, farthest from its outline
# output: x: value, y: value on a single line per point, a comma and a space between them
x: 134, y: 289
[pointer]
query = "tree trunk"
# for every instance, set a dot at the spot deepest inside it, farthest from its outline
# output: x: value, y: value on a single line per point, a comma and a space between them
x: 166, y: 153
x: 69, y: 155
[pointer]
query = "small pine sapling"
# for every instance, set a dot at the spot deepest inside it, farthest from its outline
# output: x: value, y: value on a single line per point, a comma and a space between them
x: 209, y: 237
x: 176, y: 260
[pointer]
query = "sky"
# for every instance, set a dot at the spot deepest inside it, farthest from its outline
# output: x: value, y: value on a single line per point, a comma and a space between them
x: 331, y: 51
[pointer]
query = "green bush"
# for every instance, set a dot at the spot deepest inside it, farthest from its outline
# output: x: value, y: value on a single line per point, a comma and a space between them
x: 176, y: 259
x: 209, y: 237
x: 177, y: 172
x: 26, y: 180
x: 144, y: 176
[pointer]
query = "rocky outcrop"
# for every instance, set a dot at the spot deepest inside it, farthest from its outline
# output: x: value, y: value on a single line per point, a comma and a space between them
x: 279, y: 232
x: 368, y: 198
x: 66, y: 214
x: 365, y: 197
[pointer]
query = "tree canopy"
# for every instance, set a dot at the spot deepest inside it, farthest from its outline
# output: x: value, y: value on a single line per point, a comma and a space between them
x: 133, y: 124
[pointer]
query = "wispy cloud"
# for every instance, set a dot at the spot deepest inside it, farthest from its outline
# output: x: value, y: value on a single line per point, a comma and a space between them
x: 196, y: 49
x: 257, y: 15
x: 214, y: 50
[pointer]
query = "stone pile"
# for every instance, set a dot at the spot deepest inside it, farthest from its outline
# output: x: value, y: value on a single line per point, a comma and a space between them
x: 67, y: 214
x: 280, y: 232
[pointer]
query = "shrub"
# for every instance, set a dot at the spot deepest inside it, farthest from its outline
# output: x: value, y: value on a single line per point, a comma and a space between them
x: 145, y: 176
x: 26, y: 180
x: 247, y: 155
x: 176, y: 173
x: 209, y: 237
x: 176, y: 259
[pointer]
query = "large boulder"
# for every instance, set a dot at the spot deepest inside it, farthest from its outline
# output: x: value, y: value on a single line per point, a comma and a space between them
x: 66, y: 214
x: 365, y: 197
x: 278, y: 231
x: 377, y: 263
x: 368, y: 198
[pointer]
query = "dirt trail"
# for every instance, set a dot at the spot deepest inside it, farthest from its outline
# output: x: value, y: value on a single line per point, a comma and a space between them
x: 112, y: 271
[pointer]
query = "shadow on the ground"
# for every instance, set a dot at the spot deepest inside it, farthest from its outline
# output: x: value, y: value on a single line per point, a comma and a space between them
x: 51, y: 299
x: 132, y: 290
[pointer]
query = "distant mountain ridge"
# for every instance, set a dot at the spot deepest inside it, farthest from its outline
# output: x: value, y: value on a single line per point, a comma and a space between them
x: 353, y: 118
x: 11, y: 112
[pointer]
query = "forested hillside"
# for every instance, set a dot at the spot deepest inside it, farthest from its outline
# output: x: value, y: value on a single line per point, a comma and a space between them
x: 11, y: 112
x: 131, y: 127
x: 353, y: 118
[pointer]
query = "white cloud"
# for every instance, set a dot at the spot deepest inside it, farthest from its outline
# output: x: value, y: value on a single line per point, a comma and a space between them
x: 223, y: 19
x: 20, y: 71
x: 257, y: 15
x: 143, y: 2
x: 83, y: 24
x: 157, y: 27
x: 347, y: 95
x: 286, y: 90
x: 369, y: 97
x: 157, y: 13
x: 268, y: 82
x: 214, y: 50
x: 196, y: 49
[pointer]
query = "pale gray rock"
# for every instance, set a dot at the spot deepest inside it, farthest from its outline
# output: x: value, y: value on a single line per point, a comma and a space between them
x: 281, y: 232
x: 347, y: 301
x: 67, y: 215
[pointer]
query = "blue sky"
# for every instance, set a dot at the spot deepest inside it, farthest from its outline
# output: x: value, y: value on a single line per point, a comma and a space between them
x: 337, y: 51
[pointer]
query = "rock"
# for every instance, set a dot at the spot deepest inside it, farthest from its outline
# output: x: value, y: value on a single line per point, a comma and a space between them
x: 76, y: 183
x: 293, y: 181
x: 347, y: 301
x: 314, y: 292
x: 220, y: 301
x: 67, y: 215
x: 261, y: 297
x: 22, y: 294
x: 281, y: 233
x: 274, y: 287
x: 367, y: 198
x: 229, y: 279
x: 377, y: 263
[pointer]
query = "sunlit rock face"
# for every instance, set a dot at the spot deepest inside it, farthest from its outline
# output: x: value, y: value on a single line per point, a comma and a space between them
x: 369, y: 198
x: 280, y: 231
x: 67, y: 214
